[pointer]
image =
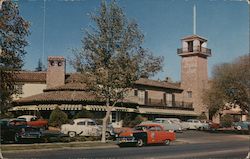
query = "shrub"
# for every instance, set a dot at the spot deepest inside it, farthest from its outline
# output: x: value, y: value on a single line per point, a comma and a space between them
x: 57, y: 117
x: 226, y: 121
x: 84, y: 114
x: 138, y: 119
x: 202, y: 116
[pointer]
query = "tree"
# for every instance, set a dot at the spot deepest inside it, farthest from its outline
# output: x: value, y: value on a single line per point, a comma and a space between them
x: 39, y: 66
x: 58, y: 117
x: 230, y: 86
x: 13, y: 31
x: 112, y: 57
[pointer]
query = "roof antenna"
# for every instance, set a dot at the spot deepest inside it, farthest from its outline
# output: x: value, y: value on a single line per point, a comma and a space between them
x: 44, y: 25
x: 194, y: 20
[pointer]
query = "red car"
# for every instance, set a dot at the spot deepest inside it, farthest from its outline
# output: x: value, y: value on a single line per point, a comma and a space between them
x: 146, y: 134
x: 34, y: 121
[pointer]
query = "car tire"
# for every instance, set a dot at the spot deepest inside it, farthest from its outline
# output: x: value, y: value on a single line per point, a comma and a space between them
x: 167, y: 142
x: 238, y: 127
x: 107, y: 135
x: 140, y: 143
x: 72, y: 134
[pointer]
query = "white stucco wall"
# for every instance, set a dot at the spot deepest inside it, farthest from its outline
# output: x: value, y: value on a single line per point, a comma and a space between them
x: 30, y: 89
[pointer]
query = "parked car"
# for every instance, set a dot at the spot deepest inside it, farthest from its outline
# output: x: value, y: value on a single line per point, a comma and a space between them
x: 197, y: 124
x: 183, y: 125
x: 17, y: 130
x: 110, y: 132
x: 213, y: 126
x: 82, y: 127
x: 34, y: 121
x: 168, y: 125
x: 242, y: 125
x: 144, y: 134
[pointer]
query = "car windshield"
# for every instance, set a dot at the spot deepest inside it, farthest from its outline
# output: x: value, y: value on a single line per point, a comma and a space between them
x: 141, y: 127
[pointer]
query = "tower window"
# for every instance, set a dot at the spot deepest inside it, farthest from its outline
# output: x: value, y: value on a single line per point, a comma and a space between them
x: 59, y: 64
x: 52, y: 63
x: 189, y: 94
x: 190, y: 46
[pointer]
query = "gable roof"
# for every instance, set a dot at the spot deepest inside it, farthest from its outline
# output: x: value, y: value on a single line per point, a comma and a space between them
x: 30, y: 76
x: 159, y: 84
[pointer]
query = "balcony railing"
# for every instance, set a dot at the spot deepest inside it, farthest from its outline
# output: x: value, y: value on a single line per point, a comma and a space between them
x: 202, y: 50
x: 160, y: 103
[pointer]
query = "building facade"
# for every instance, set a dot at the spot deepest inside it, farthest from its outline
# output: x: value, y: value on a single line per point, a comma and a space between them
x: 43, y: 91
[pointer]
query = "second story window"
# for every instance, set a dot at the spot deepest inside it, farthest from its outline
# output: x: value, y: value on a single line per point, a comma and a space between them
x: 135, y: 92
x: 189, y: 94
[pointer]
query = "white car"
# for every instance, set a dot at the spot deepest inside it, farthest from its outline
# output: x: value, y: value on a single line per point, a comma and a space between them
x: 82, y: 127
x: 184, y: 125
x: 197, y: 124
x: 168, y: 125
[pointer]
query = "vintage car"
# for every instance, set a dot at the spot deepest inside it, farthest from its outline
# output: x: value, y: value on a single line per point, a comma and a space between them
x: 197, y: 124
x: 242, y: 125
x: 168, y: 125
x: 82, y: 127
x: 144, y: 134
x: 34, y: 121
x: 16, y: 130
x: 85, y: 127
x: 184, y: 125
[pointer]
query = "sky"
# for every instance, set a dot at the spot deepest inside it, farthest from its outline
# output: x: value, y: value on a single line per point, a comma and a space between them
x: 224, y: 23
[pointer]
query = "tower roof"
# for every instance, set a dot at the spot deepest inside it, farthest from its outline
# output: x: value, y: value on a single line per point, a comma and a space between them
x: 192, y: 37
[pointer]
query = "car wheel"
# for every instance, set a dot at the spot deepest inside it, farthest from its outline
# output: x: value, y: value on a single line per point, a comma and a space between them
x: 72, y: 134
x: 107, y: 135
x: 238, y: 127
x: 167, y: 142
x: 139, y: 143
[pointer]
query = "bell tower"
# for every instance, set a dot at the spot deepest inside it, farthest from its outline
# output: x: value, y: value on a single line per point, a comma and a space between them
x: 194, y: 74
x: 56, y: 71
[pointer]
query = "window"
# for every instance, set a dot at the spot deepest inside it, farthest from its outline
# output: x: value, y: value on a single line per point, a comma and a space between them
x: 189, y: 94
x: 113, y: 117
x: 52, y: 63
x: 91, y: 123
x: 135, y: 92
x: 59, y: 63
x: 81, y: 123
x: 190, y: 46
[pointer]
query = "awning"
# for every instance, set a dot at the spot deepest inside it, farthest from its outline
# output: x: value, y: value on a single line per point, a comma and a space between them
x: 47, y: 107
x: 167, y: 112
x: 103, y: 108
x: 30, y: 107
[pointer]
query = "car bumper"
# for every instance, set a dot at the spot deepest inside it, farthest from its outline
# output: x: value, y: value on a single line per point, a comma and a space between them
x: 123, y: 140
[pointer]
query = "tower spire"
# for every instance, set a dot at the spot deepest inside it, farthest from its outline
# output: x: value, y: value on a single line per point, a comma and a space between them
x: 194, y: 20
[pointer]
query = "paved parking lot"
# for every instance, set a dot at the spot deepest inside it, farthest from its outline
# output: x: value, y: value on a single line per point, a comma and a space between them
x: 191, y: 136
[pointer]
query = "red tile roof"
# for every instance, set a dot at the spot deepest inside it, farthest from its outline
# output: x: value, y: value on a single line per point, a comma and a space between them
x: 30, y: 76
x: 57, y: 96
x: 76, y: 86
x: 160, y: 84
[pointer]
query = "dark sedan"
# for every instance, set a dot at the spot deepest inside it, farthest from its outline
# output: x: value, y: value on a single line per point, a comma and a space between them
x: 16, y: 130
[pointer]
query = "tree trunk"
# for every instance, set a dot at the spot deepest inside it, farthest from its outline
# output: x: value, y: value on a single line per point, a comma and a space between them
x: 104, y: 123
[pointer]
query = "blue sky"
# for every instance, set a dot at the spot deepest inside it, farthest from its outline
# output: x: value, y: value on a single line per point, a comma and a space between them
x: 225, y: 24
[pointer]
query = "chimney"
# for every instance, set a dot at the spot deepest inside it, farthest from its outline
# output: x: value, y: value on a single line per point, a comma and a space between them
x: 56, y: 71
